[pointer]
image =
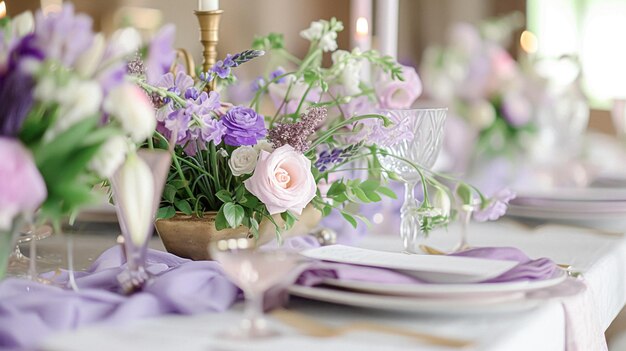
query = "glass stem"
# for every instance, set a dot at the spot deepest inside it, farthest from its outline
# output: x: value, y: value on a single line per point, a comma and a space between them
x: 32, y: 262
x: 466, y: 216
x: 70, y: 264
x: 253, y: 310
x: 410, y: 224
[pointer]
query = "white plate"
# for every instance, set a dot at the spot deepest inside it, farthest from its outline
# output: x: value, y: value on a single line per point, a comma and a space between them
x: 431, y: 268
x: 449, y: 290
x: 575, y: 194
x: 447, y: 306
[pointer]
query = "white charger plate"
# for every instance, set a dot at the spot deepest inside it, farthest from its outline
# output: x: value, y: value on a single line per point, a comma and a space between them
x: 440, y: 306
x: 431, y: 268
x: 449, y: 290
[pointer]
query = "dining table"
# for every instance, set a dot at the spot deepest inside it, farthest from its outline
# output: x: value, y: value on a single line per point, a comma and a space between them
x: 567, y: 323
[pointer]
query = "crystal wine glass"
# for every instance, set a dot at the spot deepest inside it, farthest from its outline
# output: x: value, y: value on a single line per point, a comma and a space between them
x: 137, y: 188
x: 416, y: 136
x: 255, y: 270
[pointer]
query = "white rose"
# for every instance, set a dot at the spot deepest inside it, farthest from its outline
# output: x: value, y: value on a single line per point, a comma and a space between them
x: 314, y: 32
x: 77, y: 100
x: 125, y: 41
x: 243, y: 160
x: 264, y: 145
x: 130, y: 106
x: 110, y: 156
x: 88, y: 61
x: 23, y: 24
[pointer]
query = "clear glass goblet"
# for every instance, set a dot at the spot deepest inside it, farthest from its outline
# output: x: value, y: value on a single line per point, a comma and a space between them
x: 137, y: 187
x: 255, y: 270
x: 416, y: 136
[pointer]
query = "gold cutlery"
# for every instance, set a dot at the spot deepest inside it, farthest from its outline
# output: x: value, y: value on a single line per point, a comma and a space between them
x: 312, y: 327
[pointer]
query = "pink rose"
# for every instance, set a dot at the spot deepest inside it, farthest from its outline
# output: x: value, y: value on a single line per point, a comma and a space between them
x: 282, y: 180
x: 397, y: 94
x: 22, y: 189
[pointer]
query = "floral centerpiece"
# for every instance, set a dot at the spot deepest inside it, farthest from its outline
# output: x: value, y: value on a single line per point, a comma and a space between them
x: 490, y: 96
x: 246, y: 167
x: 68, y: 116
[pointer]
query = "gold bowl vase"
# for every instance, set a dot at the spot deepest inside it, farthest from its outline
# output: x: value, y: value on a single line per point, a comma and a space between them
x: 189, y: 236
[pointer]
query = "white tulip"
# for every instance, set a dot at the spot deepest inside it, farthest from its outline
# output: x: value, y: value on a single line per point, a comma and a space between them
x: 125, y: 41
x: 441, y: 203
x: 243, y: 160
x: 23, y: 24
x: 134, y: 185
x: 130, y: 106
x: 88, y: 61
x: 110, y: 156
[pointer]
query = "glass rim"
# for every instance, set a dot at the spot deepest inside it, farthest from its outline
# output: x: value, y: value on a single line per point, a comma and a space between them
x: 416, y: 109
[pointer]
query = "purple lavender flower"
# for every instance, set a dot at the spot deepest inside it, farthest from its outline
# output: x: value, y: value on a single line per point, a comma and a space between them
x: 63, y: 36
x: 212, y: 130
x: 221, y: 69
x: 229, y: 62
x: 258, y: 83
x: 327, y: 158
x: 297, y: 134
x: 497, y: 207
x: 277, y: 73
x: 244, y: 126
x: 160, y: 54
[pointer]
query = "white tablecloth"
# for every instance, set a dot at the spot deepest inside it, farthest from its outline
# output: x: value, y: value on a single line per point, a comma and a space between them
x: 601, y: 258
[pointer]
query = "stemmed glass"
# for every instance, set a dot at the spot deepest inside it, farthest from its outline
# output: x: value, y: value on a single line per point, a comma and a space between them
x: 137, y: 187
x: 419, y: 140
x: 255, y: 270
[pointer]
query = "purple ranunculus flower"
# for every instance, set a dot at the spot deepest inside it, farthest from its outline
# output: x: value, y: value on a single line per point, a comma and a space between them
x: 63, y: 36
x: 212, y: 130
x: 161, y: 54
x: 244, y: 126
x: 497, y: 207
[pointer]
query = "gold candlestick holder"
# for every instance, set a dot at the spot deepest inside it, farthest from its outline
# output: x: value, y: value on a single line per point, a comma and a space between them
x: 209, y: 36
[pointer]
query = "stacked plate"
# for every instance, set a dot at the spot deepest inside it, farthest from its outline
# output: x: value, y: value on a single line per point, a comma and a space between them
x: 454, y: 283
x: 603, y: 208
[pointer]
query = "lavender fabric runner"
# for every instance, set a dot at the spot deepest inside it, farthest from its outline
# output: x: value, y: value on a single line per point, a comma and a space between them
x: 30, y: 311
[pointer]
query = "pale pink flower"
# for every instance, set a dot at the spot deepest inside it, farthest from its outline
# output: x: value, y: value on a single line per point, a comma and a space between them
x: 22, y: 189
x: 282, y: 180
x: 397, y: 94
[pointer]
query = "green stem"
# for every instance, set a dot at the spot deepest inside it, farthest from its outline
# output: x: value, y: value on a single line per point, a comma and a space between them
x: 182, y: 177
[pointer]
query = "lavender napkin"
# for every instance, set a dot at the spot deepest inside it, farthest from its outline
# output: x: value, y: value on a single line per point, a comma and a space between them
x: 30, y: 311
x: 527, y: 269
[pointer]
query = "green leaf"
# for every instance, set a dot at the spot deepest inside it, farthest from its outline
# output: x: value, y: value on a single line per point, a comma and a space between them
x: 373, y: 196
x: 251, y: 202
x: 464, y: 193
x: 183, y: 206
x: 178, y: 183
x: 326, y: 210
x: 169, y: 192
x: 166, y: 212
x: 234, y: 214
x: 289, y: 219
x: 360, y: 194
x: 254, y: 227
x: 387, y: 192
x: 348, y: 217
x: 240, y: 192
x: 65, y: 143
x: 336, y: 188
x: 220, y: 219
x: 369, y: 185
x: 224, y: 195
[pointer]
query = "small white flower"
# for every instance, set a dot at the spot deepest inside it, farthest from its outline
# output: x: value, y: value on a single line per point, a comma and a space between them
x: 130, y: 106
x: 264, y: 145
x: 328, y: 42
x: 222, y: 152
x: 125, y: 41
x: 243, y: 160
x: 134, y: 184
x: 350, y: 71
x: 314, y: 32
x: 77, y: 100
x: 23, y: 24
x: 88, y: 61
x: 110, y: 156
